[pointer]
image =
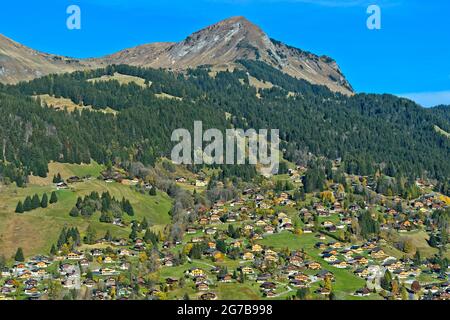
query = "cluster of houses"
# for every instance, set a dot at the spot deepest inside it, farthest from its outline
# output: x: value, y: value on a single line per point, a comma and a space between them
x: 231, y: 236
x: 260, y: 215
x: 24, y: 278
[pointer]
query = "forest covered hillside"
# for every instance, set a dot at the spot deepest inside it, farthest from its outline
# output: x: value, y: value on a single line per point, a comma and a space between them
x: 369, y: 132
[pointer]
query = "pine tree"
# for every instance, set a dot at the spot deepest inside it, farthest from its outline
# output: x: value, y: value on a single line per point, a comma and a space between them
x: 27, y: 206
x: 76, y: 236
x: 74, y: 212
x: 19, y: 208
x: 302, y: 293
x: 91, y: 235
x: 127, y: 207
x: 35, y: 202
x: 44, y: 201
x: 53, y: 198
x: 2, y: 262
x: 53, y: 250
x: 144, y: 224
x: 279, y: 186
x: 57, y: 178
x: 62, y: 238
x: 79, y: 204
x: 19, y: 257
x: 433, y: 242
x: 152, y: 191
x: 386, y: 281
x: 417, y: 259
x: 133, y: 234
x: 150, y: 237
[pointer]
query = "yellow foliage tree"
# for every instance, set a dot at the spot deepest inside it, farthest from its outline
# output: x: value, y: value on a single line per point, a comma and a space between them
x: 187, y: 248
x: 327, y: 283
x: 143, y: 257
x: 327, y: 196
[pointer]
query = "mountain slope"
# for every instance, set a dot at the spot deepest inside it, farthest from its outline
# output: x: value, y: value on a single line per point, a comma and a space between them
x: 20, y: 63
x: 370, y: 133
x: 222, y: 44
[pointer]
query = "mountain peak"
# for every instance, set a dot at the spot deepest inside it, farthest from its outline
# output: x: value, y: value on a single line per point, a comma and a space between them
x: 238, y: 25
x: 235, y: 19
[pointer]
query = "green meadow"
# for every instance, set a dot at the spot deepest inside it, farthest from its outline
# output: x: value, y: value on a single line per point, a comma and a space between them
x: 35, y: 231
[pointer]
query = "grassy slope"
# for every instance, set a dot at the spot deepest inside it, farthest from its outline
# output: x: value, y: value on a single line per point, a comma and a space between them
x: 69, y: 105
x: 67, y: 170
x: 122, y: 79
x: 444, y: 133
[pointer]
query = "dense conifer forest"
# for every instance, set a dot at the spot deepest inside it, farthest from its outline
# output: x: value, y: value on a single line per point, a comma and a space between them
x: 368, y: 132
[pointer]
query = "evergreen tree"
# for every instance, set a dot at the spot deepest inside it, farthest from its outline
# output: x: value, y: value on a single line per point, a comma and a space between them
x: 433, y: 242
x: 62, y: 239
x: 108, y: 236
x: 150, y: 237
x: 91, y: 235
x: 53, y: 250
x: 27, y: 205
x: 79, y: 204
x: 279, y: 186
x: 127, y: 207
x: 74, y: 212
x: 2, y: 262
x: 57, y: 178
x: 386, y: 281
x: 106, y: 217
x: 133, y: 234
x: 19, y: 208
x: 221, y: 246
x: 302, y: 293
x: 369, y: 227
x: 44, y: 201
x: 417, y: 259
x: 144, y: 224
x: 53, y: 198
x: 19, y: 257
x: 35, y: 202
x: 152, y: 191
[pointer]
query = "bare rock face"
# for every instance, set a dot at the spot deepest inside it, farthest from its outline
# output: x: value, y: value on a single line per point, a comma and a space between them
x: 222, y: 44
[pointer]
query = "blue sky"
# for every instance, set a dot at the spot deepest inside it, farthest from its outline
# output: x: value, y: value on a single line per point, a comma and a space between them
x: 409, y: 56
